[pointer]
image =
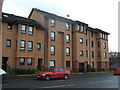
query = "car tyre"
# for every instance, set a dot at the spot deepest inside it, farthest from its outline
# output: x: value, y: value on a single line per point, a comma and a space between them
x: 47, y: 77
x: 66, y: 77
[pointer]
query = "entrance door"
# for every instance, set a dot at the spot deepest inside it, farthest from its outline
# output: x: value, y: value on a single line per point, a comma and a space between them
x: 40, y: 64
x: 4, y: 63
x: 81, y: 67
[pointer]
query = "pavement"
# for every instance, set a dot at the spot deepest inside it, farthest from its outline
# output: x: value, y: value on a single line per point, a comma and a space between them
x: 29, y: 75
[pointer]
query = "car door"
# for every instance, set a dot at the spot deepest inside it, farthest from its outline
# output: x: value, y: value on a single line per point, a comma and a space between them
x: 61, y: 73
x: 55, y: 73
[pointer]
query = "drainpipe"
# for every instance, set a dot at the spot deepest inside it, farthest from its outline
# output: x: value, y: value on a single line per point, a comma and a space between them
x: 1, y: 2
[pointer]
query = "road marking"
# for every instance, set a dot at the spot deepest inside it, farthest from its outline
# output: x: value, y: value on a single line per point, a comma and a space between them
x: 58, y: 86
x: 60, y: 80
x: 101, y: 81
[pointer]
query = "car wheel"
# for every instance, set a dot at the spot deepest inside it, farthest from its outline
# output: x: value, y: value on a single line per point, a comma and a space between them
x: 47, y: 77
x: 66, y: 76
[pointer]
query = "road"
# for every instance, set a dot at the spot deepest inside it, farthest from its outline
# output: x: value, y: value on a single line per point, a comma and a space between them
x: 101, y: 80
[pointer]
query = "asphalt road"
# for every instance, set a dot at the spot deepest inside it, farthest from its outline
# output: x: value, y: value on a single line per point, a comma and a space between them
x: 101, y: 80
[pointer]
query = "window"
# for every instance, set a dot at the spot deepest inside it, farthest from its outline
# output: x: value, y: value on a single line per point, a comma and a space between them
x: 67, y: 51
x: 104, y: 54
x: 92, y: 33
x: 98, y: 44
x: 52, y: 35
x: 61, y: 70
x: 105, y: 64
x: 30, y: 45
x: 92, y: 44
x: 38, y: 46
x: 98, y: 54
x: 8, y: 43
x: 92, y: 64
x: 81, y: 40
x: 67, y: 63
x: 81, y: 53
x: 52, y: 50
x: 23, y: 29
x: 86, y: 53
x: 67, y: 26
x: 82, y: 28
x: 67, y: 38
x: 86, y: 42
x: 9, y: 26
x: 56, y: 70
x: 30, y: 30
x: 104, y: 45
x: 92, y: 54
x: 52, y: 22
x: 22, y: 61
x: 29, y: 61
x: 101, y: 35
x: 86, y: 32
x: 52, y: 63
x: 99, y: 64
x: 78, y: 27
x: 22, y: 45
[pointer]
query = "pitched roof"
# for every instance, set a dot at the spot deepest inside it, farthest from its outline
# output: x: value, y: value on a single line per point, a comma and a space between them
x: 53, y: 16
x: 63, y: 19
x: 10, y: 18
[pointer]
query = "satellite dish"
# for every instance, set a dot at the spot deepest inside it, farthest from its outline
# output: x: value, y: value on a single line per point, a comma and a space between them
x: 68, y: 15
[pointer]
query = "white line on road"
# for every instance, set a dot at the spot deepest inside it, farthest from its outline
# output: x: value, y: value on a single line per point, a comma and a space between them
x: 101, y: 81
x: 58, y: 86
x: 60, y: 80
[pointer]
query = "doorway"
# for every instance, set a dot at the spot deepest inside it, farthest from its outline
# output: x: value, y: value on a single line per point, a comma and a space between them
x: 40, y: 64
x: 81, y: 67
x: 4, y: 63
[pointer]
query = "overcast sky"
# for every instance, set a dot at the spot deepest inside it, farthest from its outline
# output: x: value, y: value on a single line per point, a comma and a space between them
x: 102, y: 14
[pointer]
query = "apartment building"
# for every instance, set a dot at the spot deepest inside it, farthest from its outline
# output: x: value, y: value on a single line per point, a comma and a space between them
x: 45, y: 40
x: 22, y: 43
x: 85, y: 45
x: 59, y: 41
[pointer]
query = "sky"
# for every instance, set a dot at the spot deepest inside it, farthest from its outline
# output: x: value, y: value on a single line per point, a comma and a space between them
x: 102, y: 14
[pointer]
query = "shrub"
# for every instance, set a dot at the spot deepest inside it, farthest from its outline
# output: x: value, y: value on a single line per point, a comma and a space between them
x: 22, y: 71
x: 91, y: 69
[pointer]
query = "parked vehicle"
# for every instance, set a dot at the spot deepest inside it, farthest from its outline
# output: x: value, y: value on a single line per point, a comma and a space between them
x: 2, y: 74
x: 116, y: 71
x: 54, y: 73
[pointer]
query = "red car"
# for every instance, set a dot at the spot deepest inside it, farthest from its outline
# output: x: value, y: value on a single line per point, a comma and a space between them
x: 116, y: 71
x: 54, y: 73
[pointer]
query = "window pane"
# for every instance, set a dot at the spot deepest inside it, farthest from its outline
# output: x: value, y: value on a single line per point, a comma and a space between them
x: 52, y: 35
x: 29, y: 61
x: 82, y: 28
x: 78, y: 27
x: 22, y: 61
x: 38, y: 46
x: 23, y: 29
x: 67, y: 63
x: 9, y: 26
x: 81, y: 53
x: 52, y: 22
x: 67, y: 51
x: 81, y: 40
x: 22, y: 45
x: 52, y: 50
x: 67, y: 38
x: 8, y: 43
x: 52, y: 63
x: 30, y: 45
x: 30, y: 30
x: 67, y: 26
